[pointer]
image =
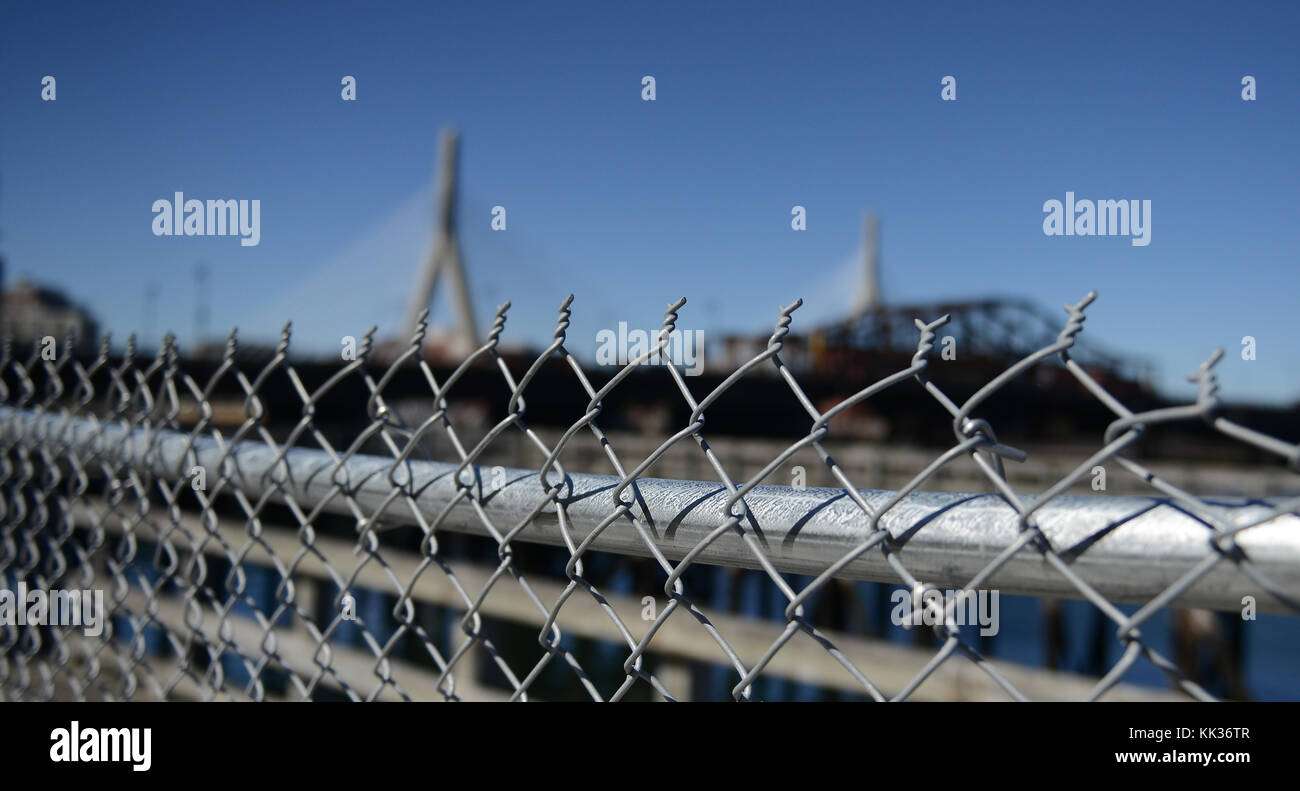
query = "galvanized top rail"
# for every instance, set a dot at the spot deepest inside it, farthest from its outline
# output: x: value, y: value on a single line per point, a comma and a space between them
x: 1136, y: 546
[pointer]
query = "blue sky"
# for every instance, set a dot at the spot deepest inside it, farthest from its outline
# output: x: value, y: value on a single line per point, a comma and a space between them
x: 631, y: 204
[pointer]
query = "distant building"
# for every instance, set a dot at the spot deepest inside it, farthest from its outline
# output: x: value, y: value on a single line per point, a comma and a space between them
x: 29, y: 312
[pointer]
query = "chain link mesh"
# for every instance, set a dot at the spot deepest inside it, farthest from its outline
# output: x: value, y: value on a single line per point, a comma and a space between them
x: 231, y: 591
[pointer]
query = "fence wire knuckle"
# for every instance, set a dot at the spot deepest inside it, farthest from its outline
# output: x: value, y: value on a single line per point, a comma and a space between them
x: 319, y: 554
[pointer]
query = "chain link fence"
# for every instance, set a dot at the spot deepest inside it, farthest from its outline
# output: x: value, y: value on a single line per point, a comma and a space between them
x: 236, y: 564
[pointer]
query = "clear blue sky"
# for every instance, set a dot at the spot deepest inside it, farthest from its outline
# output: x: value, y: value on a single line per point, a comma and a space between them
x: 631, y: 204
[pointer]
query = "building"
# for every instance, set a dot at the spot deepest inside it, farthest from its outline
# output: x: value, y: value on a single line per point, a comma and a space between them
x: 29, y: 312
